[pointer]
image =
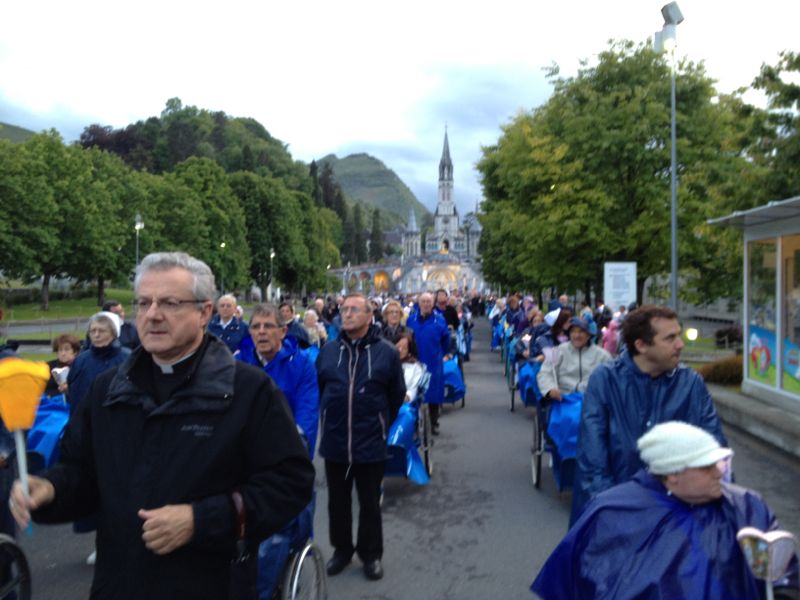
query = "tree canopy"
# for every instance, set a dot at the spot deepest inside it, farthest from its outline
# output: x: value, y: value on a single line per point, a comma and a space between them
x: 585, y: 178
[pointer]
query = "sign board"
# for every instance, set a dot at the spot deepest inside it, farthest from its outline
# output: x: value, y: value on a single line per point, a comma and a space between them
x: 619, y: 284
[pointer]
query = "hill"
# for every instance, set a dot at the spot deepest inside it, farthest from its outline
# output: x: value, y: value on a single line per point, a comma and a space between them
x: 366, y: 179
x: 14, y: 133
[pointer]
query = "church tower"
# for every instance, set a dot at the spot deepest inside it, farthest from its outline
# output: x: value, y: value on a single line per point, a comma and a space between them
x: 445, y: 220
x: 411, y: 238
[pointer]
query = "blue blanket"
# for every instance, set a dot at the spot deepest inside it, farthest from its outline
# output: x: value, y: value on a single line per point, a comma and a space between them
x: 564, y: 423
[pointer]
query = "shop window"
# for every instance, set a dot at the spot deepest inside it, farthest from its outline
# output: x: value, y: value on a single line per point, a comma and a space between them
x: 790, y: 254
x: 761, y: 346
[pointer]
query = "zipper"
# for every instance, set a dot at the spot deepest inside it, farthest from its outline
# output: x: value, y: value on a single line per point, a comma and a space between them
x: 352, y: 364
x: 383, y: 426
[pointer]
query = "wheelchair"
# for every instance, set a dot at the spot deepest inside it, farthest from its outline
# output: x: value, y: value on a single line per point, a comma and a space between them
x: 16, y: 572
x: 304, y: 576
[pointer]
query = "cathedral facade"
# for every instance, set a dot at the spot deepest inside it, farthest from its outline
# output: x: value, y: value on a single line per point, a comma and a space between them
x: 449, y: 235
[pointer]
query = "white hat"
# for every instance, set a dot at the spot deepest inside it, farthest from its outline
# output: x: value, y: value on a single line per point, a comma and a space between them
x: 113, y: 317
x: 550, y: 318
x: 674, y: 446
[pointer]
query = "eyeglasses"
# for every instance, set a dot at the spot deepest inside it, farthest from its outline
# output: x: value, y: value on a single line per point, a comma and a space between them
x: 260, y: 326
x: 166, y: 305
x: 352, y: 309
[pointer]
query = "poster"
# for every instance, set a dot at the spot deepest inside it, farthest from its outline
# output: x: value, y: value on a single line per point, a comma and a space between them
x: 619, y: 284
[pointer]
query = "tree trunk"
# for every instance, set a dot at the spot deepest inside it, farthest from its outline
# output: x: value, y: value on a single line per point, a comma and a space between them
x: 101, y: 291
x: 640, y: 289
x: 46, y: 292
x: 587, y: 292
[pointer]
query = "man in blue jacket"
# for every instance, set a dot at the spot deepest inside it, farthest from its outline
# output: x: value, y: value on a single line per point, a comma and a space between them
x: 433, y: 342
x: 225, y: 325
x: 627, y: 397
x: 361, y: 388
x: 290, y: 368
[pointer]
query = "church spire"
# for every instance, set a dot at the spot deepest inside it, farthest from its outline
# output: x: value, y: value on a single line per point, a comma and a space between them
x: 446, y: 164
x: 412, y: 222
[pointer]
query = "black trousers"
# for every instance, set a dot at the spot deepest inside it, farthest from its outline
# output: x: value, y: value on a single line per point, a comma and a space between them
x: 434, y: 410
x: 368, y: 478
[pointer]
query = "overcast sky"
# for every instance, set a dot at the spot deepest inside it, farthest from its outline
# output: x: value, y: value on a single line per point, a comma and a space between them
x: 344, y: 77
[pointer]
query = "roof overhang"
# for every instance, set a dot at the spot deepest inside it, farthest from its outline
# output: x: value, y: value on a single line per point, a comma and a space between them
x: 778, y: 210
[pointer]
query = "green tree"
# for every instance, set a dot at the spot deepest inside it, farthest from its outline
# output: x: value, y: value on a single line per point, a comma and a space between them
x: 359, y: 235
x: 226, y: 250
x: 376, y: 237
x: 780, y: 140
x: 349, y: 238
x: 584, y: 178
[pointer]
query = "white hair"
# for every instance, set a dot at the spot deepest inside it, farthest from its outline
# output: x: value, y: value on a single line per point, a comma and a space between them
x: 203, y: 285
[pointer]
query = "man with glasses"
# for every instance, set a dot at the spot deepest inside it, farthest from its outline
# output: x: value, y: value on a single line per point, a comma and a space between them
x: 162, y: 449
x: 361, y: 388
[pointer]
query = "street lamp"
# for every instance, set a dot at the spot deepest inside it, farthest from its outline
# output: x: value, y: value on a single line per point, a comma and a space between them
x: 222, y: 271
x: 269, y: 287
x: 138, y: 225
x: 666, y: 40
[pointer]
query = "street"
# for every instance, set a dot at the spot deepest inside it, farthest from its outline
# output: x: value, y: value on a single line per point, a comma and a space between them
x: 479, y: 530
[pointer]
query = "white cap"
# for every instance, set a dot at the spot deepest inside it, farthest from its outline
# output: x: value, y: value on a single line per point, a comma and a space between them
x: 550, y: 318
x: 674, y: 446
x: 113, y: 317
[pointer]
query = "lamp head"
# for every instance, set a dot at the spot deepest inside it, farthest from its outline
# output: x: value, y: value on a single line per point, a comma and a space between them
x: 672, y: 14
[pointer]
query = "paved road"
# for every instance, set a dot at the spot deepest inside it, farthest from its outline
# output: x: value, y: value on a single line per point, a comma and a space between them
x: 479, y: 530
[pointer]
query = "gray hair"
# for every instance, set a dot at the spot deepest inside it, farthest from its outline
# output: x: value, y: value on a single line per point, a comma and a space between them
x: 203, y: 284
x: 229, y: 297
x: 104, y: 319
x: 268, y: 310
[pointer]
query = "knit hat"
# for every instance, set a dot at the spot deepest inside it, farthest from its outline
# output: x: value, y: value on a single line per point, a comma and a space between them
x: 550, y: 318
x: 113, y: 317
x: 674, y: 446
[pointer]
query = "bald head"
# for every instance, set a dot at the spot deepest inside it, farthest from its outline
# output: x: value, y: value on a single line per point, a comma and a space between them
x: 425, y: 304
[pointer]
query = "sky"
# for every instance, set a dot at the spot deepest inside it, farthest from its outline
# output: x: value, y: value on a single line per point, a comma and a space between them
x: 347, y: 76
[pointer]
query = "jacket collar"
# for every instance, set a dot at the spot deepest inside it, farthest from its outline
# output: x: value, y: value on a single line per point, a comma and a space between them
x: 373, y: 334
x: 208, y: 386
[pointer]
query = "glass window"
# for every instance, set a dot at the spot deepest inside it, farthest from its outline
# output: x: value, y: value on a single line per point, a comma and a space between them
x: 761, y: 346
x: 790, y: 253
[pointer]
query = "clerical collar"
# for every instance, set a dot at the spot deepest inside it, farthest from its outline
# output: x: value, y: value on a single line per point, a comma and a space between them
x: 169, y: 369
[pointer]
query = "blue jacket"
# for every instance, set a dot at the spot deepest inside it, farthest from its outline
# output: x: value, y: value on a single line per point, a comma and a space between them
x: 621, y: 404
x: 433, y: 342
x: 361, y: 388
x: 293, y: 372
x: 88, y: 365
x: 232, y: 335
x: 637, y: 541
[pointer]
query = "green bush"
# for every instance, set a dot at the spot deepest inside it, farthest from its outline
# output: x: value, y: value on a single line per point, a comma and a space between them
x: 726, y: 371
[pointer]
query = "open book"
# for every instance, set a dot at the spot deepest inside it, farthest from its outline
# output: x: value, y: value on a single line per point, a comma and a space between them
x: 767, y: 553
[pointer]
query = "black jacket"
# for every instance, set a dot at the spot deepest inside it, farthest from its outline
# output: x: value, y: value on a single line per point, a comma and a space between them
x: 357, y: 410
x: 227, y: 426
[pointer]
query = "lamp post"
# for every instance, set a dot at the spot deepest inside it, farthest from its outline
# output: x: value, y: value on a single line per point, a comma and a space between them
x: 138, y: 225
x: 222, y: 271
x: 666, y: 40
x: 269, y: 287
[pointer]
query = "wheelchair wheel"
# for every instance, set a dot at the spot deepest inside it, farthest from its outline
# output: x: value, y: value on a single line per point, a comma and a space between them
x: 14, y: 566
x: 536, y: 451
x: 304, y: 578
x: 426, y: 439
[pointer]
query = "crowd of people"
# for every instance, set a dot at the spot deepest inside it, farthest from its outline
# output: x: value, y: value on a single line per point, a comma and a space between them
x: 654, y: 512
x: 167, y: 429
x: 191, y: 435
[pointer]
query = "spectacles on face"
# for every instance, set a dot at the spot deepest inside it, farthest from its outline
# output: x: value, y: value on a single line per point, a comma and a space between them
x: 263, y: 326
x: 99, y: 331
x: 165, y: 305
x: 351, y: 309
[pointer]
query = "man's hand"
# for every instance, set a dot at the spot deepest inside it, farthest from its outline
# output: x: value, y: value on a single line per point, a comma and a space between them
x: 167, y: 528
x: 42, y: 493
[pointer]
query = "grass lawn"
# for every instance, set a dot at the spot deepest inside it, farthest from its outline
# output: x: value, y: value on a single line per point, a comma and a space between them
x: 67, y: 309
x: 44, y: 357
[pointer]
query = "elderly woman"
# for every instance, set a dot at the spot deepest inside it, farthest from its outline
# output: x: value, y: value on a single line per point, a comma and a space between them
x: 393, y: 320
x: 66, y: 347
x: 572, y: 363
x: 104, y: 353
x: 317, y: 335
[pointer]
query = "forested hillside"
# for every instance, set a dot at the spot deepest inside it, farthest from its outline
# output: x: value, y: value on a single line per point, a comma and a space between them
x: 366, y: 179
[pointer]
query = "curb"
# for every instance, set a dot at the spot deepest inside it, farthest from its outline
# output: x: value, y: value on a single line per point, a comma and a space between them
x: 778, y: 426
